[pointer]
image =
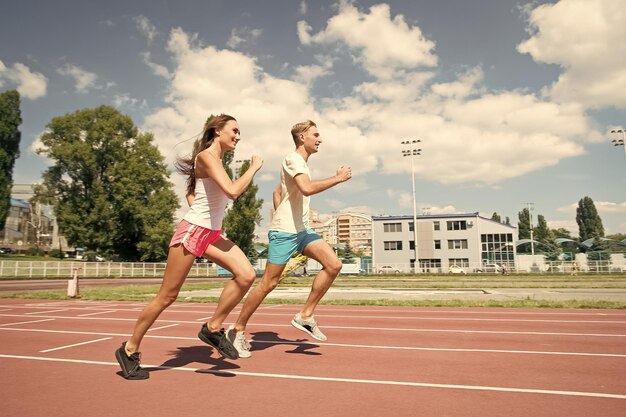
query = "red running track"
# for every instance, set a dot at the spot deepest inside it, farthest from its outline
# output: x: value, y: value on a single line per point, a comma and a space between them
x: 56, y: 359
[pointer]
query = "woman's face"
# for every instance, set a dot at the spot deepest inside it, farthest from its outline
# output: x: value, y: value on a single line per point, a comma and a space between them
x: 229, y: 135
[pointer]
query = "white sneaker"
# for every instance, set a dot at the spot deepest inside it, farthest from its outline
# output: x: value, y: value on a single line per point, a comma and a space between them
x: 238, y: 339
x: 308, y: 326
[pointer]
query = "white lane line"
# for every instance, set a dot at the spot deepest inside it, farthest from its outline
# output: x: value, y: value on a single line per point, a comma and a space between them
x: 45, y: 312
x: 344, y: 380
x: 162, y: 327
x: 6, y: 309
x: 387, y: 329
x: 96, y: 313
x: 288, y: 342
x: 75, y: 344
x: 318, y: 315
x: 432, y: 349
x: 26, y: 322
x: 415, y: 314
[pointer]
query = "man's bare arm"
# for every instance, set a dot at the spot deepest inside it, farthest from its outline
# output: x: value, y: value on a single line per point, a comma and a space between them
x: 308, y: 187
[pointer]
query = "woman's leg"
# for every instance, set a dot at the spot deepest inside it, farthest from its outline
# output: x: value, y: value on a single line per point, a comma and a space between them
x: 228, y: 255
x: 179, y: 262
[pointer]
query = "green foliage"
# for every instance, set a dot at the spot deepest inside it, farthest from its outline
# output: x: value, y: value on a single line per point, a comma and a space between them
x: 496, y: 217
x: 348, y: 254
x: 545, y: 236
x: 523, y: 224
x: 10, y: 136
x: 562, y: 233
x: 242, y: 218
x: 588, y: 220
x: 108, y: 185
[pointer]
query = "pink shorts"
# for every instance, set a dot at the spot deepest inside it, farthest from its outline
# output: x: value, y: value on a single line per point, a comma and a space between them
x: 196, y: 239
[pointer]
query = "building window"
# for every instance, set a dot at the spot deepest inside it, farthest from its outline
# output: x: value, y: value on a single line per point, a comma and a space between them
x: 457, y: 244
x: 392, y: 227
x: 437, y: 244
x: 462, y: 262
x: 411, y: 244
x: 436, y: 226
x: 457, y: 225
x: 410, y: 226
x: 497, y: 248
x: 393, y: 245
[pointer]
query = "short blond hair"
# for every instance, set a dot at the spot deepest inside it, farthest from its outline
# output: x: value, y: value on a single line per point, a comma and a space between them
x: 300, y: 128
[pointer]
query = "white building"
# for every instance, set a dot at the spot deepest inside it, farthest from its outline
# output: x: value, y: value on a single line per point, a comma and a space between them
x: 466, y: 240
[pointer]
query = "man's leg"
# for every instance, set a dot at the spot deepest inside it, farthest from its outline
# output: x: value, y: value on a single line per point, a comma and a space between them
x: 270, y: 279
x: 331, y: 265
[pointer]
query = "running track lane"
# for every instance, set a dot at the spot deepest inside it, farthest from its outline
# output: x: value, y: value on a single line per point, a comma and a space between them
x: 56, y: 358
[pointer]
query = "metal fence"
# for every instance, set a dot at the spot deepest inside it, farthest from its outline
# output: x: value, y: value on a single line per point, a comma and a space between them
x: 57, y: 269
x: 52, y: 269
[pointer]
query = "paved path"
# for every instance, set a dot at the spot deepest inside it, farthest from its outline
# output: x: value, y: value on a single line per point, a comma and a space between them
x: 434, y: 294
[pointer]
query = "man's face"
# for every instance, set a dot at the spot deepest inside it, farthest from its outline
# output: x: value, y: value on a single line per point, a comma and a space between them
x: 311, y: 140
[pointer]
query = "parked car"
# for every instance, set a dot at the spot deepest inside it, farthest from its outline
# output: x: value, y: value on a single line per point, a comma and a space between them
x: 388, y: 269
x: 490, y: 268
x: 455, y: 269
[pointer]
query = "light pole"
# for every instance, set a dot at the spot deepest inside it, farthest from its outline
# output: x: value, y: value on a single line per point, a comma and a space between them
x: 622, y: 141
x: 412, y: 150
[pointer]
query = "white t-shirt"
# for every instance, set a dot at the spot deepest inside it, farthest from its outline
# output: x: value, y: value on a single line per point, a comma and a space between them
x: 292, y: 214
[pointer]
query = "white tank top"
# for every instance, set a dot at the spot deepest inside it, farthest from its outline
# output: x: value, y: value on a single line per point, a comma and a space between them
x: 209, y: 204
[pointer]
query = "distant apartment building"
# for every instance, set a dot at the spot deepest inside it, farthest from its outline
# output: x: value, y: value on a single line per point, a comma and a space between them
x: 466, y: 240
x: 27, y: 225
x: 350, y: 229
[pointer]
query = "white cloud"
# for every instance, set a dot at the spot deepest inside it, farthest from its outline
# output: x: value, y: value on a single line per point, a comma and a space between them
x: 157, y: 69
x: 585, y: 38
x: 83, y: 80
x: 610, y: 207
x: 385, y: 46
x: 31, y: 85
x: 243, y: 36
x: 146, y: 28
x: 470, y: 135
x: 303, y: 7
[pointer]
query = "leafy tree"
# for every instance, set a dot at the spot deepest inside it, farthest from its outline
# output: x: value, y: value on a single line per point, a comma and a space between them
x: 108, y: 185
x: 588, y: 220
x: 496, y: 217
x: 243, y: 216
x: 10, y: 136
x: 562, y: 233
x: 507, y: 220
x: 348, y: 254
x: 545, y: 236
x: 523, y: 224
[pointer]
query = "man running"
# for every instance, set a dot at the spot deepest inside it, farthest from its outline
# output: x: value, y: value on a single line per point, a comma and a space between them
x: 290, y: 232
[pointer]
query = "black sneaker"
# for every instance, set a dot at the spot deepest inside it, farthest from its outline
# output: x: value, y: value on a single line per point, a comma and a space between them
x: 130, y: 364
x: 219, y: 341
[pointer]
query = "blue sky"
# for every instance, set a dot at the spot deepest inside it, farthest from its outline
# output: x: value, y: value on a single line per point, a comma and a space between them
x: 513, y: 101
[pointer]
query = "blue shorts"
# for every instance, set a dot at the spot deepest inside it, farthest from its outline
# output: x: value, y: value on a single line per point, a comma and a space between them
x: 283, y: 245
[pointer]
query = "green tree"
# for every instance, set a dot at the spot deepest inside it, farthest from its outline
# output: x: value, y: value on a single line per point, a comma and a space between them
x: 10, y: 136
x: 348, y: 254
x: 243, y: 216
x: 507, y: 220
x: 562, y: 233
x: 523, y: 224
x: 108, y: 184
x: 588, y: 220
x: 496, y: 217
x: 545, y: 237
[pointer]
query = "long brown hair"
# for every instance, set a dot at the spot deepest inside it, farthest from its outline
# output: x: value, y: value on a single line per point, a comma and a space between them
x: 187, y: 166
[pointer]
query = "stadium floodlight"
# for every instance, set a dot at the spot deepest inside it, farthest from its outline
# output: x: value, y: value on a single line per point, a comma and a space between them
x: 412, y: 150
x: 622, y: 141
